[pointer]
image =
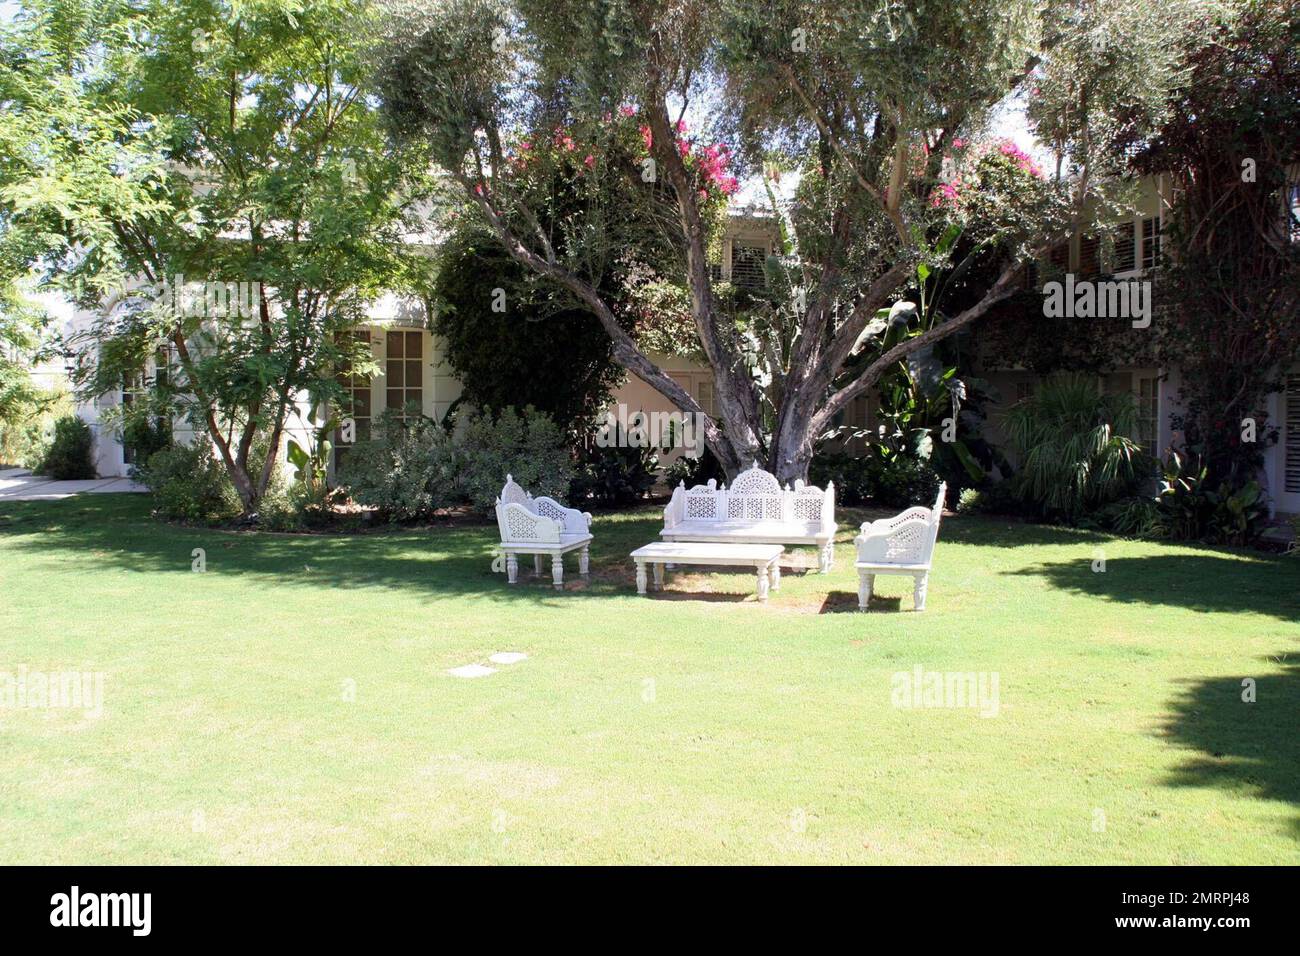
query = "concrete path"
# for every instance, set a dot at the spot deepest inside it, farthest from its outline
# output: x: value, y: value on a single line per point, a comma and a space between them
x: 17, y: 484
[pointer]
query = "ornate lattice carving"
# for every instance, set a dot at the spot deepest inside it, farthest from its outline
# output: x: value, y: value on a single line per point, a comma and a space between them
x: 807, y: 504
x: 755, y: 481
x: 907, y: 545
x: 701, y: 507
x: 551, y: 511
x: 521, y: 528
x: 513, y: 494
x: 754, y: 507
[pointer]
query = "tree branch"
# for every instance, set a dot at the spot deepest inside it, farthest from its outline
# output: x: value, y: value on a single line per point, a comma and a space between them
x: 625, y: 350
x: 1005, y: 286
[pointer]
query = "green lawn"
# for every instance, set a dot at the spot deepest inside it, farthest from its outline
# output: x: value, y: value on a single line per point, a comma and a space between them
x: 694, y: 726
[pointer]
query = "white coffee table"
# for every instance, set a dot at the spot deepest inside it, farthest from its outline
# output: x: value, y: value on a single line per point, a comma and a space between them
x: 763, y: 558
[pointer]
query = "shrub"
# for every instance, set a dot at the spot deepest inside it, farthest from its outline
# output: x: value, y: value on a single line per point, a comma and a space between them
x: 189, y: 484
x: 1183, y: 501
x: 1070, y: 440
x: 406, y: 471
x: 1239, y: 514
x: 614, y: 476
x: 695, y: 471
x: 900, y: 482
x: 145, y: 436
x: 527, y: 445
x: 849, y: 472
x: 71, y: 454
x: 896, y: 481
x: 416, y: 466
x: 289, y: 506
x: 995, y: 498
x: 1192, y: 510
x: 1135, y: 517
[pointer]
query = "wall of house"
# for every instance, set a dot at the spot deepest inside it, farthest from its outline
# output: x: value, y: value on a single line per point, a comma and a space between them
x: 1282, y: 461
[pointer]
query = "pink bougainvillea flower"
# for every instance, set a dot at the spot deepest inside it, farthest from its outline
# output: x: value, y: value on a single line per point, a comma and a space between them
x: 947, y: 195
x: 627, y: 111
x: 590, y: 161
x: 1023, y: 160
x: 647, y: 136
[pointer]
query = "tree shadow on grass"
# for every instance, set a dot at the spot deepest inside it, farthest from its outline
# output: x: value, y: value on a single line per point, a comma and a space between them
x: 1238, y: 746
x: 1206, y: 582
x: 117, y: 532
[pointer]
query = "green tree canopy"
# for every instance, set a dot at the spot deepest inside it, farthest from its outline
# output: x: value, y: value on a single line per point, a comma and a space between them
x: 232, y: 144
x: 868, y: 102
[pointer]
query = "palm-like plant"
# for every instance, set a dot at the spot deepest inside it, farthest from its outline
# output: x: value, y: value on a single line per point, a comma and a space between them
x: 1072, y: 445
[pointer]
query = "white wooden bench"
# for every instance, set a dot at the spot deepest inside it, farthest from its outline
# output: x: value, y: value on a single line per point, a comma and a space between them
x: 903, y: 544
x: 755, y: 510
x: 540, y: 526
x: 763, y: 558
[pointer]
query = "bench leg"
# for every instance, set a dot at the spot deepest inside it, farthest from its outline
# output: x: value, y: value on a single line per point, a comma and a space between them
x: 537, y: 565
x: 583, y: 559
x: 557, y: 571
x: 920, y: 583
x: 865, y: 583
x: 826, y: 557
x: 640, y: 577
x: 659, y: 575
x: 762, y: 583
x: 512, y: 568
x: 774, y: 576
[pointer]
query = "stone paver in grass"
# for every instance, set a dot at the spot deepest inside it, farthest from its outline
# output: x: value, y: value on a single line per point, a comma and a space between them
x: 508, y: 657
x: 471, y: 670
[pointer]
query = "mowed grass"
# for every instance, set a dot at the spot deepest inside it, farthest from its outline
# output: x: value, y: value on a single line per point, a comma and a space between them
x: 291, y: 704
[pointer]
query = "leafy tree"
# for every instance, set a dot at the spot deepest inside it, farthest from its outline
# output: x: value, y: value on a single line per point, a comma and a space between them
x: 867, y: 103
x: 20, y: 325
x: 532, y: 350
x: 228, y: 142
x: 1232, y: 274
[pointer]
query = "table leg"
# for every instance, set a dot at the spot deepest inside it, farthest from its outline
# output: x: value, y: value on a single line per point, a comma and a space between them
x: 762, y: 583
x: 774, y: 575
x: 640, y: 576
x: 659, y: 575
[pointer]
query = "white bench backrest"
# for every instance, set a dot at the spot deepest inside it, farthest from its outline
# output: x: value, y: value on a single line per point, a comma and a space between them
x: 906, y: 538
x: 937, y: 517
x: 755, y: 496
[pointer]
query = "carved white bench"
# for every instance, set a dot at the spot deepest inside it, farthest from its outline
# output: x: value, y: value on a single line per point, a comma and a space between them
x: 755, y: 510
x: 540, y: 526
x: 903, y: 544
